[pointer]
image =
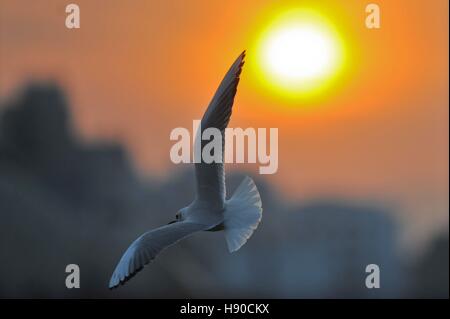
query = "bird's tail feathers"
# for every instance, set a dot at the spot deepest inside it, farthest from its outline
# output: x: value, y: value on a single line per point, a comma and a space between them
x: 242, y: 214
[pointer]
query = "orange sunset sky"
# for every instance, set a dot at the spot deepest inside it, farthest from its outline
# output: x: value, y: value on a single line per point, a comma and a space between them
x: 137, y: 69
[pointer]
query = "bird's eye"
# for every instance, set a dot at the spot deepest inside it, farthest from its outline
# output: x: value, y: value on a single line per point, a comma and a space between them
x: 177, y: 216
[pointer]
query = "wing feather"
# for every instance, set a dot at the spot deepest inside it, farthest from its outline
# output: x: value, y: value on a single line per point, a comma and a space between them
x: 211, y: 177
x: 144, y: 249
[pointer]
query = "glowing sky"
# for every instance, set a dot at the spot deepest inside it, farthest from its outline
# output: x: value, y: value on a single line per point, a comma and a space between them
x: 134, y: 71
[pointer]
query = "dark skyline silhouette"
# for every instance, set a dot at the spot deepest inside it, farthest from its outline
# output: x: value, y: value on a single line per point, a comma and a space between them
x: 66, y: 201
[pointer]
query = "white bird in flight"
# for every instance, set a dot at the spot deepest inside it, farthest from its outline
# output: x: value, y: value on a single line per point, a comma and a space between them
x: 238, y: 216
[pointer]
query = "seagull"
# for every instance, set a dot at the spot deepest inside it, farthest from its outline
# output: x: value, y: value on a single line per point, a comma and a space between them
x: 237, y: 217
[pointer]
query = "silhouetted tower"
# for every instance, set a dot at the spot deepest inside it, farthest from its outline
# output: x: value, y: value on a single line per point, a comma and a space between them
x: 35, y: 126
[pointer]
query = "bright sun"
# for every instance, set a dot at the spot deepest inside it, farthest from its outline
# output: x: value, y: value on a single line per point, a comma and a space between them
x: 298, y: 54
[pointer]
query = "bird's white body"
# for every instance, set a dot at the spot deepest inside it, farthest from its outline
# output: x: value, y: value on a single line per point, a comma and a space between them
x: 238, y: 216
x: 202, y: 212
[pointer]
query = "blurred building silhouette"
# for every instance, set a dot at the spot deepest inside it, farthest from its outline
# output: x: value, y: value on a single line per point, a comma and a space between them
x: 38, y: 138
x: 63, y: 201
x: 431, y: 270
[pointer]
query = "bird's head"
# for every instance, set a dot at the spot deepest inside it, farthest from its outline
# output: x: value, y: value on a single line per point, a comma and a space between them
x: 179, y: 216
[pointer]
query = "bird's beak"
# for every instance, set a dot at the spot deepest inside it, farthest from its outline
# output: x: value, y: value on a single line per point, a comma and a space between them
x: 173, y: 221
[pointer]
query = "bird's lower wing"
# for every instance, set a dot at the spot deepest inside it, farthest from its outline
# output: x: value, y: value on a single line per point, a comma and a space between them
x: 148, y: 246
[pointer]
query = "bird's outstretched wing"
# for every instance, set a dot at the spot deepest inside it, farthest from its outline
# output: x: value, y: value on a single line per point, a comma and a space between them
x: 211, y: 177
x: 148, y: 246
